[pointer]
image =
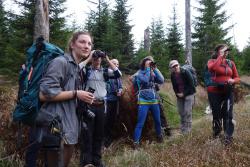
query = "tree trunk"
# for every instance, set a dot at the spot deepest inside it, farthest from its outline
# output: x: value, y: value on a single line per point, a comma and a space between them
x: 147, y: 39
x: 41, y: 25
x: 188, y: 51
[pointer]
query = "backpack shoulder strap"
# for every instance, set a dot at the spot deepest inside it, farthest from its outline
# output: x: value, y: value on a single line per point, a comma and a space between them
x: 86, y: 77
x: 229, y: 63
x: 105, y: 74
x: 67, y: 72
x: 138, y: 83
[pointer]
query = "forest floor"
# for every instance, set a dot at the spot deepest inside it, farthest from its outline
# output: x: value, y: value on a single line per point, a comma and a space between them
x: 196, y: 149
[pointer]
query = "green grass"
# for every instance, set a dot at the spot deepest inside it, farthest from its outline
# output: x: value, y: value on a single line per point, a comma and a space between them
x: 172, y: 114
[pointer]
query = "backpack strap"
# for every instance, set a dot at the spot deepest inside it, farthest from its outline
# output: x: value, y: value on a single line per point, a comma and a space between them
x: 105, y: 74
x: 138, y: 83
x: 67, y: 73
x: 86, y: 77
x: 229, y: 63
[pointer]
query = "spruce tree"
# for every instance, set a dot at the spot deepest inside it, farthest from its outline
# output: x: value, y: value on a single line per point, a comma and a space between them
x: 209, y: 31
x: 158, y: 47
x: 25, y: 20
x: 102, y: 25
x: 122, y: 28
x: 59, y: 33
x: 174, y: 45
x: 21, y: 37
x: 246, y: 58
x: 3, y: 32
x: 111, y: 30
x: 99, y: 24
x: 22, y: 28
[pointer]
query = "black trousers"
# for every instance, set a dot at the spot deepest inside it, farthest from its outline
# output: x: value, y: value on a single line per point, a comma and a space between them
x: 52, y: 147
x: 164, y: 122
x: 222, y: 110
x: 92, y: 137
x: 110, y: 119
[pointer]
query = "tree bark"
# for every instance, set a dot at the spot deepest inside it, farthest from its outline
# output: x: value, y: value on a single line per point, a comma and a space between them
x: 41, y: 25
x: 188, y: 51
x: 147, y: 39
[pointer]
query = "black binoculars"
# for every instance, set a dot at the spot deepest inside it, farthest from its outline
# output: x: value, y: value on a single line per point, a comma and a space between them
x: 99, y: 53
x: 152, y: 64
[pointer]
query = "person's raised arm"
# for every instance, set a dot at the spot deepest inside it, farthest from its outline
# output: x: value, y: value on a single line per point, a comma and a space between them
x: 213, y: 64
x: 116, y: 72
x: 158, y: 76
x: 85, y: 62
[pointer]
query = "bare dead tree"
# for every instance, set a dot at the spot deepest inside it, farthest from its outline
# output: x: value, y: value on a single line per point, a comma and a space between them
x: 41, y: 25
x: 147, y: 39
x: 188, y: 51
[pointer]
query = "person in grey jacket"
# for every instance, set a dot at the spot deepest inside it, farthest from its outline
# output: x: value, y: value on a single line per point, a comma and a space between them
x: 60, y: 98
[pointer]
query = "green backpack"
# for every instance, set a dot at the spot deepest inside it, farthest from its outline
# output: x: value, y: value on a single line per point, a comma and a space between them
x: 37, y: 58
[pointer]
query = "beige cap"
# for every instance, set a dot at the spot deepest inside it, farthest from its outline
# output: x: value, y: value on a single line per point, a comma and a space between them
x: 149, y: 57
x: 172, y: 63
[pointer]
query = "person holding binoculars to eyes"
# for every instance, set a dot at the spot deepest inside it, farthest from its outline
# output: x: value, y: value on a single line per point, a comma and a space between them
x: 95, y: 79
x: 147, y: 77
x: 220, y: 93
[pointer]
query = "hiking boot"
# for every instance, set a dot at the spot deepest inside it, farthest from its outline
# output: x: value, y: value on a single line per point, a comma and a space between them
x: 216, y: 135
x: 108, y: 142
x: 168, y: 132
x: 136, y: 145
x: 228, y: 140
x: 160, y: 139
x: 98, y: 164
x: 89, y: 165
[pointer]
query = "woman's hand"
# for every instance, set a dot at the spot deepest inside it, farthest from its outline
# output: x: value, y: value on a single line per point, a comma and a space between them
x: 222, y: 51
x: 152, y: 73
x: 230, y: 81
x: 85, y: 96
x: 180, y: 95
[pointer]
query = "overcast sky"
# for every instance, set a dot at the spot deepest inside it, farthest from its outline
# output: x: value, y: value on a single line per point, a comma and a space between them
x: 144, y: 10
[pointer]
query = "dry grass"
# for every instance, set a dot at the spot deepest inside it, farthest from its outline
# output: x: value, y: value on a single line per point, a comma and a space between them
x: 245, y: 79
x: 196, y: 149
x: 8, y: 131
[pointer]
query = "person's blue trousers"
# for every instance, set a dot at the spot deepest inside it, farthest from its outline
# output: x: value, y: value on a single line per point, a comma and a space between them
x: 142, y: 115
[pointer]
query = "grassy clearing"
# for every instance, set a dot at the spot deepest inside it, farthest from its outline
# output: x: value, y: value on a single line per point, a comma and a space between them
x: 170, y: 106
x: 195, y: 149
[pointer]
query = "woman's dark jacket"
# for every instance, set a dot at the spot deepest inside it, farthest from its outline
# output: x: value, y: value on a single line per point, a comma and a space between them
x: 189, y: 87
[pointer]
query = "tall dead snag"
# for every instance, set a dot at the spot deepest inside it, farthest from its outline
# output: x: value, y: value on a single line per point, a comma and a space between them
x: 188, y: 52
x: 41, y: 25
x: 147, y: 39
